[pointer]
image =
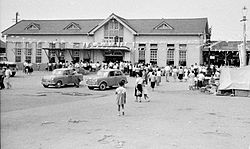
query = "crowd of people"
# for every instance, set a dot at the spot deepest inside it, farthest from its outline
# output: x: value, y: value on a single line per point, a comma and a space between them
x: 198, y: 76
x: 82, y: 64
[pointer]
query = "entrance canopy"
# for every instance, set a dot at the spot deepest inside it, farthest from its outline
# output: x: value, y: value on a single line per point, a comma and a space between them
x: 110, y: 48
x: 123, y: 48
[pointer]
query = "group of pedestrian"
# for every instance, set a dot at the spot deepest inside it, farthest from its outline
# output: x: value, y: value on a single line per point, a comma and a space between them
x: 141, y: 89
x: 151, y: 74
x: 5, y: 75
x: 27, y: 67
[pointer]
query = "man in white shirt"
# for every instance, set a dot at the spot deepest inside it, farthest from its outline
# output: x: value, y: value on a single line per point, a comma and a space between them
x: 201, y: 78
x: 8, y: 73
x: 167, y: 71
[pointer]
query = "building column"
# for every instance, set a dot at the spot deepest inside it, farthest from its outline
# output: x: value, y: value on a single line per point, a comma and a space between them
x: 176, y: 54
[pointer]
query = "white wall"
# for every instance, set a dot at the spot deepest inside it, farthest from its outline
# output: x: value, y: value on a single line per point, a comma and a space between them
x: 193, y: 48
x: 46, y: 39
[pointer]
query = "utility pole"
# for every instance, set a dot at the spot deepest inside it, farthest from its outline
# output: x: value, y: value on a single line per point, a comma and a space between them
x: 17, y: 14
x: 244, y: 51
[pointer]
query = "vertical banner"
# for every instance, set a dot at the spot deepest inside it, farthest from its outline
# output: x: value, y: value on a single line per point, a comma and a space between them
x: 242, y: 55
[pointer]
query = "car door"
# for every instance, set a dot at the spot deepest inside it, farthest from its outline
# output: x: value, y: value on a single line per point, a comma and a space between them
x: 118, y: 78
x: 72, y: 78
x: 111, y: 78
x: 67, y: 77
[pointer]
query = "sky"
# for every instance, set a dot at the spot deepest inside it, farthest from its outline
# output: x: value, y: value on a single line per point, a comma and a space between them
x: 223, y: 15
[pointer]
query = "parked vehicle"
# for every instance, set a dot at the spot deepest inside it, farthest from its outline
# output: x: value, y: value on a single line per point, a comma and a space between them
x: 12, y: 66
x: 106, y: 78
x: 61, y: 77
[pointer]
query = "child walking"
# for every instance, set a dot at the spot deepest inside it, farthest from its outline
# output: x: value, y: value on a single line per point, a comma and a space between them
x: 145, y: 91
x: 121, y: 98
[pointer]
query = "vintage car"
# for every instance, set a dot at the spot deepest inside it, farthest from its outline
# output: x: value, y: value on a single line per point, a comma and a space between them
x: 12, y: 66
x: 61, y: 77
x: 106, y: 78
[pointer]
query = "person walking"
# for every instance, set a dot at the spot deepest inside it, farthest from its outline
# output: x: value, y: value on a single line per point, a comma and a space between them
x: 200, y: 78
x: 191, y: 80
x: 145, y: 91
x: 180, y: 74
x: 167, y: 71
x: 8, y: 73
x: 175, y: 73
x: 138, y: 87
x: 2, y: 75
x: 152, y: 80
x: 158, y: 76
x: 121, y: 98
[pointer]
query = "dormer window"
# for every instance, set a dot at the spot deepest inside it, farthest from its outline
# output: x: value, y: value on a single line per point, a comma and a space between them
x: 73, y: 26
x: 164, y: 26
x: 33, y: 26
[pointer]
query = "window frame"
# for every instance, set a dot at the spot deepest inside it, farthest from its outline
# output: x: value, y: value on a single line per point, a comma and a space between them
x: 153, y: 53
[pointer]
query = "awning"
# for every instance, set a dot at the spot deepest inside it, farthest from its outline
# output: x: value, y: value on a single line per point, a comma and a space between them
x: 110, y: 48
x: 122, y: 48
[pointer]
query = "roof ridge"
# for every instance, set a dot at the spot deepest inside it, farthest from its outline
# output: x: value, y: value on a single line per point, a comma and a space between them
x: 62, y: 20
x: 170, y: 19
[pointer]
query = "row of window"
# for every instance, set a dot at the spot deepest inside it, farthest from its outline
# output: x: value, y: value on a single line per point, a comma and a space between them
x: 113, y: 31
x: 170, y: 54
x: 28, y: 55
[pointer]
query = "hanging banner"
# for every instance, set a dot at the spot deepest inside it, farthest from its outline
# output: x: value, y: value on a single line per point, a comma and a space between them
x: 242, y: 55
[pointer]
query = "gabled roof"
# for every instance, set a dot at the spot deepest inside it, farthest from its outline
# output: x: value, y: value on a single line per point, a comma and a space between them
x: 180, y: 26
x: 163, y: 25
x: 33, y: 26
x: 192, y: 26
x: 52, y: 27
x: 113, y: 16
x: 73, y: 25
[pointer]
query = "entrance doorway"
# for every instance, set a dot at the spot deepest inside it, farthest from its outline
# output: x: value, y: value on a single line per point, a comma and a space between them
x: 113, y: 58
x: 113, y: 55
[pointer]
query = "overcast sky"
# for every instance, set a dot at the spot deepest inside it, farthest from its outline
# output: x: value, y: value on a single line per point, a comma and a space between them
x: 223, y: 15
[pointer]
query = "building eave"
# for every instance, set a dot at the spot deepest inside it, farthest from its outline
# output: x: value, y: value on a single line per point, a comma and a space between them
x: 169, y: 34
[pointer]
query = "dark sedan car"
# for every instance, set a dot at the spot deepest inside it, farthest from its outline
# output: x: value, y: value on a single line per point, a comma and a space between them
x: 63, y: 76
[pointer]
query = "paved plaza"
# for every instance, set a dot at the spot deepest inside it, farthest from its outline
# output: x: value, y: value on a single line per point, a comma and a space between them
x: 75, y: 118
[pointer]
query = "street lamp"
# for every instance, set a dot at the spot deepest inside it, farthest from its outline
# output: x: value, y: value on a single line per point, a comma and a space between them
x: 244, y: 52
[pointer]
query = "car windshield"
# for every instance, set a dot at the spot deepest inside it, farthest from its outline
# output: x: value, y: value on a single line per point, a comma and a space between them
x: 102, y: 73
x: 57, y: 72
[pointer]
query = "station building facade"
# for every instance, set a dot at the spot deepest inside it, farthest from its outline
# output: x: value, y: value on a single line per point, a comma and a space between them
x: 158, y: 41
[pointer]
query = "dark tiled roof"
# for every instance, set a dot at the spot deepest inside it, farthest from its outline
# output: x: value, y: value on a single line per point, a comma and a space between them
x: 141, y: 26
x: 229, y: 45
x: 179, y: 25
x: 52, y: 27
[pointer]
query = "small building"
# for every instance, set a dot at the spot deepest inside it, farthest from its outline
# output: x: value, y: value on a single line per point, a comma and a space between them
x: 158, y: 41
x: 224, y: 53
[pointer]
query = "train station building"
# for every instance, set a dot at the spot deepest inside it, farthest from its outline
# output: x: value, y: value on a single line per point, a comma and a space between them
x: 159, y: 41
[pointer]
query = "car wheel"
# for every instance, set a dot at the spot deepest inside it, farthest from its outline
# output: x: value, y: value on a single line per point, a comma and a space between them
x: 91, y: 88
x: 59, y: 84
x: 103, y: 86
x: 46, y: 86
